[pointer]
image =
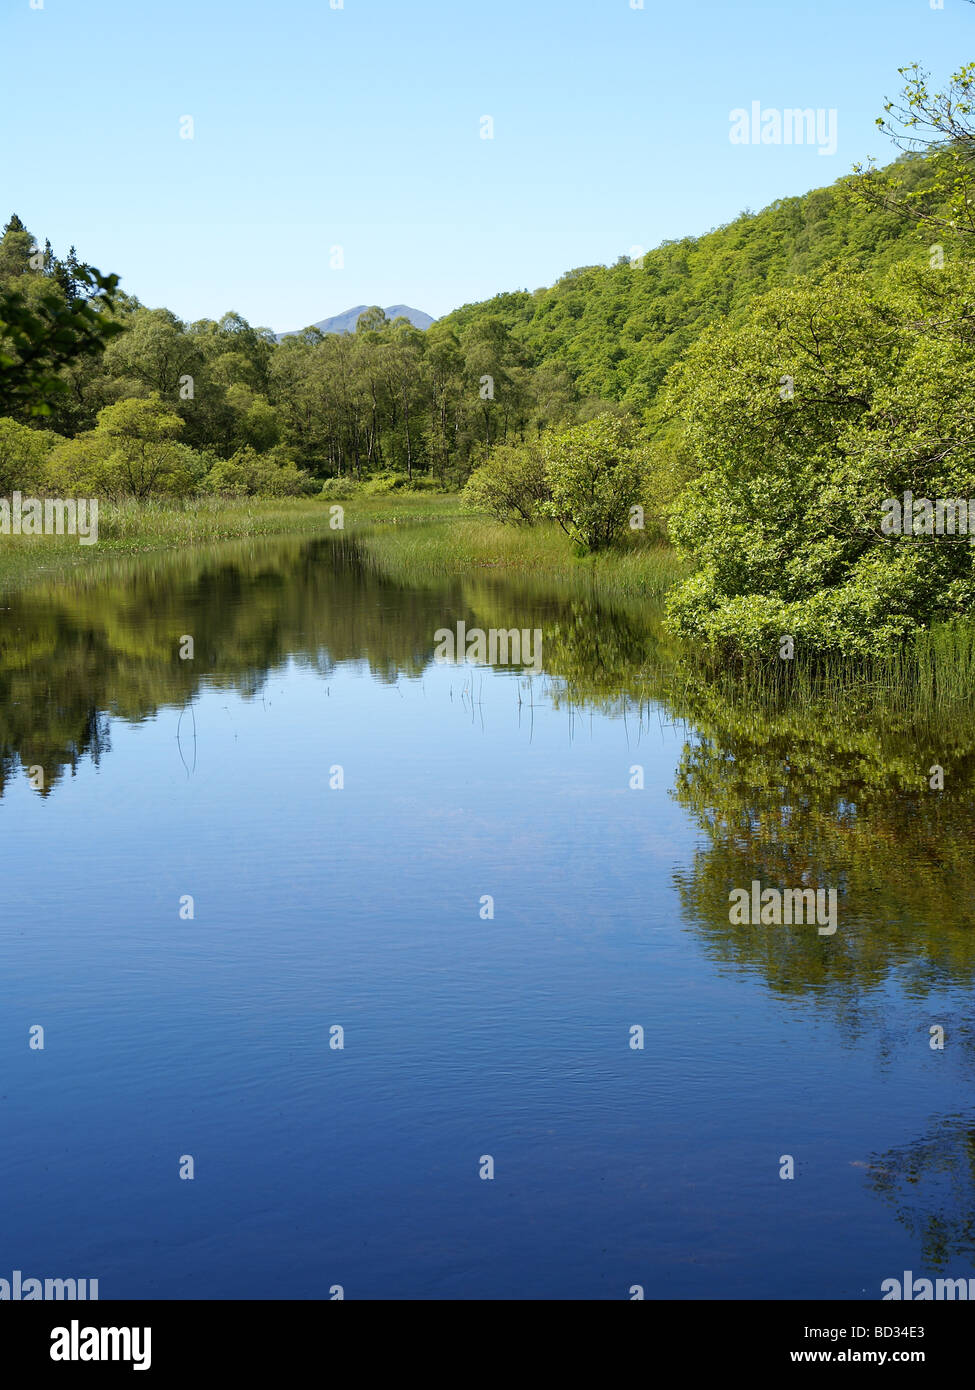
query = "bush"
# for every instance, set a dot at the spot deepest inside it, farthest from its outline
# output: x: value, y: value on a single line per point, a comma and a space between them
x: 250, y: 474
x: 339, y: 489
x: 511, y: 484
x: 23, y: 457
x: 380, y: 484
x: 596, y: 474
x: 828, y: 400
x: 421, y: 483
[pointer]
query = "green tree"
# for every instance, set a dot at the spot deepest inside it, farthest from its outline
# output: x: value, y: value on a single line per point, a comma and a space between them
x: 133, y: 451
x: 16, y: 247
x: 511, y: 485
x: 595, y: 474
x: 23, y: 456
x: 43, y: 333
x: 804, y: 420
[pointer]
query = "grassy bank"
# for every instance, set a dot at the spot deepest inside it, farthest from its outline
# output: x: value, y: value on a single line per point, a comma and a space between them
x: 416, y: 537
x: 132, y: 527
x: 461, y: 544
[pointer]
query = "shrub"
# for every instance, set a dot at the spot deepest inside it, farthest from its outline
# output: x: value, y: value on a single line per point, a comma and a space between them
x: 510, y: 485
x: 596, y: 474
x: 380, y: 484
x: 23, y: 457
x: 250, y: 474
x: 339, y: 489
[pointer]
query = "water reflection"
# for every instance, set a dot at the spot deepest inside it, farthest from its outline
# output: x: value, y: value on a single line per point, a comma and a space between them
x: 786, y: 792
x: 788, y: 798
x: 930, y: 1185
x: 107, y: 640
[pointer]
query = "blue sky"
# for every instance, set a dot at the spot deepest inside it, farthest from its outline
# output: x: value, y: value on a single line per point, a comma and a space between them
x: 360, y: 127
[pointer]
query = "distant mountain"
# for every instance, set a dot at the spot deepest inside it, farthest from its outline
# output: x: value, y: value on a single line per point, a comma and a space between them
x: 345, y: 323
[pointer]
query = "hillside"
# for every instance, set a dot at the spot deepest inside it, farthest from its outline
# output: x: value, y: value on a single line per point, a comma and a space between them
x: 618, y: 329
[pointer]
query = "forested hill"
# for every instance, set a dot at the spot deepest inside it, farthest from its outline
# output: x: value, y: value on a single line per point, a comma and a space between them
x: 619, y: 328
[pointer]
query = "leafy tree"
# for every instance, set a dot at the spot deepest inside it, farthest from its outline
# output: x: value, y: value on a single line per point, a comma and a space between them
x: 155, y: 351
x: 23, y: 455
x: 133, y: 451
x: 595, y: 474
x: 511, y: 485
x: 16, y: 248
x: 41, y: 335
x: 52, y: 314
x: 785, y: 515
x: 372, y: 320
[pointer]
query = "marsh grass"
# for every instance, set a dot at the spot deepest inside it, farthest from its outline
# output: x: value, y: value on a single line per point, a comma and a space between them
x: 130, y: 527
x: 928, y: 680
x: 133, y: 527
x: 461, y: 544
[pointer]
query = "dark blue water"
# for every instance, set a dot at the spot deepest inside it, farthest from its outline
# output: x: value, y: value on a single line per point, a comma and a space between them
x: 464, y: 1036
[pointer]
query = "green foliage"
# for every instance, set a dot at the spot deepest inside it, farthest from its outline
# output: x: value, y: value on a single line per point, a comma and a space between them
x: 511, y: 485
x: 250, y: 474
x: 53, y: 314
x: 134, y: 451
x: 382, y: 484
x: 43, y: 332
x: 784, y: 517
x: 339, y: 489
x: 596, y: 474
x: 23, y: 457
x: 615, y: 331
x: 137, y: 436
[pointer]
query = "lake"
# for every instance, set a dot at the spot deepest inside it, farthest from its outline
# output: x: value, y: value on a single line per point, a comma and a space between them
x: 312, y: 833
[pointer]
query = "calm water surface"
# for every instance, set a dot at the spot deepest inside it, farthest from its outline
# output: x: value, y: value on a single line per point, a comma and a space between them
x: 464, y: 1036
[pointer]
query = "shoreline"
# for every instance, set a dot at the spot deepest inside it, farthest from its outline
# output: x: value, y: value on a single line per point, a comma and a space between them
x: 438, y: 538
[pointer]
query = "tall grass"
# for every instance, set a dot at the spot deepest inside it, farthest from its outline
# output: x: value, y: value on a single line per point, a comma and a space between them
x: 130, y: 526
x: 928, y: 678
x: 466, y: 545
x: 942, y: 665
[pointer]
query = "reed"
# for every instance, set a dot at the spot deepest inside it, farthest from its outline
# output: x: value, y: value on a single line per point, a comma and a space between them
x: 927, y: 679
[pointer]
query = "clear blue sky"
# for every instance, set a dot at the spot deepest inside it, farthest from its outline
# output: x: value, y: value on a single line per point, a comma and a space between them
x: 359, y: 127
